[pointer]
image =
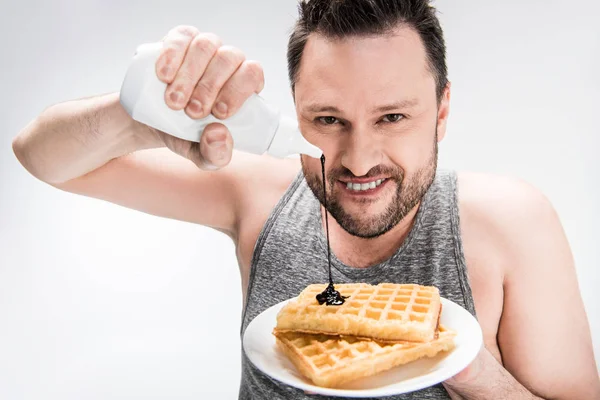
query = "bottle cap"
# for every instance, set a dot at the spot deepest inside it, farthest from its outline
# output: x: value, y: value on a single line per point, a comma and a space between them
x: 288, y: 140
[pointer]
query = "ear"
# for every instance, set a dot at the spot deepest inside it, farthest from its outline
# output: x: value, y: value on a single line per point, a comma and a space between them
x: 443, y: 111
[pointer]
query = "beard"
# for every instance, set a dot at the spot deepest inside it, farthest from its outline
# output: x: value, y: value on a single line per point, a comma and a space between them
x: 410, y: 190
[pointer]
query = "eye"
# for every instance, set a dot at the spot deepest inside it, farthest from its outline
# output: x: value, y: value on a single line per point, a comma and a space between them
x: 326, y: 120
x: 394, y: 117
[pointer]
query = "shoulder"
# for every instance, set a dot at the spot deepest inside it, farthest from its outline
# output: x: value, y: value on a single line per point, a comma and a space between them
x: 502, y: 203
x: 261, y: 181
x: 506, y: 213
x: 258, y: 176
x: 497, y: 196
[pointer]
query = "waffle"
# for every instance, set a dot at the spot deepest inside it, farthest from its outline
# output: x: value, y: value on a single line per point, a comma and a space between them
x: 331, y: 361
x: 387, y: 312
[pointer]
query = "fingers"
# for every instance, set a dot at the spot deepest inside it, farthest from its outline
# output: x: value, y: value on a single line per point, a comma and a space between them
x: 190, y: 53
x: 222, y: 66
x: 203, y: 76
x: 215, y: 147
x: 199, y: 56
x: 175, y: 46
x: 247, y: 79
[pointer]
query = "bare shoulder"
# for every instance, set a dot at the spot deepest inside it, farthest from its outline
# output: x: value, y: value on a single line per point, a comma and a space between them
x: 266, y: 173
x: 262, y: 181
x: 517, y: 225
x: 493, y: 198
x: 499, y: 214
x: 504, y: 209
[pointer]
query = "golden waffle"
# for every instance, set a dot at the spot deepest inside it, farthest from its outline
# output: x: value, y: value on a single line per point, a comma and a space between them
x: 388, y: 312
x: 330, y: 361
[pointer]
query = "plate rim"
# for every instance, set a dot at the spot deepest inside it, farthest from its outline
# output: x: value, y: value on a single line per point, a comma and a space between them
x: 438, y: 377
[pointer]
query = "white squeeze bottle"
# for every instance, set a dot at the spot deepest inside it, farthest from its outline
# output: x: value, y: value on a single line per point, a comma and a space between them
x: 256, y: 127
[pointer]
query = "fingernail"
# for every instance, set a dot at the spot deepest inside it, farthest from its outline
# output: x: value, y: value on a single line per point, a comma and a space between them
x: 176, y: 97
x: 216, y: 139
x: 222, y: 108
x: 166, y: 71
x: 216, y: 144
x: 195, y: 106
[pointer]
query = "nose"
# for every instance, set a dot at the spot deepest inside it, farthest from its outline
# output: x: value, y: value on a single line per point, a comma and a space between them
x: 361, y: 154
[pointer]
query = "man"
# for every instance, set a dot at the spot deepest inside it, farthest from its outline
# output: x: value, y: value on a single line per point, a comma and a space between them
x: 370, y: 87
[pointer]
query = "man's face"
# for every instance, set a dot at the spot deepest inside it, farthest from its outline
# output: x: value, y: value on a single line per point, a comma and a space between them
x: 340, y: 88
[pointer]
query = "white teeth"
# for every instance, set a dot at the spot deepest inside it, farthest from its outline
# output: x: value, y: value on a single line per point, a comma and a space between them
x: 364, y: 186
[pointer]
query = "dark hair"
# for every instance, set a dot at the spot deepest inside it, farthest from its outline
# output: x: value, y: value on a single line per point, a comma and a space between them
x: 336, y: 19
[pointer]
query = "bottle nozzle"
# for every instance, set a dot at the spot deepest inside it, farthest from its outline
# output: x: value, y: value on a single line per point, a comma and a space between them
x: 288, y: 140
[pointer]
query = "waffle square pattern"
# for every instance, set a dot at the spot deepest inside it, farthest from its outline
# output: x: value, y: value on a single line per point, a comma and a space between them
x: 387, y: 312
x: 331, y: 361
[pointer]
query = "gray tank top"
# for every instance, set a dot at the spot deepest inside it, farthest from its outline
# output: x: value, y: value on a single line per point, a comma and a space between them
x: 291, y: 253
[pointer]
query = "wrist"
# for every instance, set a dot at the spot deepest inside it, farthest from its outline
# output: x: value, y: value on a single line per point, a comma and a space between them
x: 144, y: 136
x: 138, y: 136
x: 486, y: 377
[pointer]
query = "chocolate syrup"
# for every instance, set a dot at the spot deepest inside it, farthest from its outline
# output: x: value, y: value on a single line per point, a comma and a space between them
x: 329, y: 296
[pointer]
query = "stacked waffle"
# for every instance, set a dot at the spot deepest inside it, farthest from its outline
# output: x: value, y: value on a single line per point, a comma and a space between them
x: 377, y: 328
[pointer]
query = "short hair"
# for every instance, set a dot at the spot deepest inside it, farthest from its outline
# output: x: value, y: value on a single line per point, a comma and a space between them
x: 337, y: 19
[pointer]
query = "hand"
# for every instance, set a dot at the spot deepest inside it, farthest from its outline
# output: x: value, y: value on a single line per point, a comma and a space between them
x: 457, y: 384
x: 471, y: 371
x: 486, y: 378
x: 202, y: 75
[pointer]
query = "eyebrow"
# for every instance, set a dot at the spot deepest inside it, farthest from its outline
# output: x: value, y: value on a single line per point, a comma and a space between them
x: 317, y: 107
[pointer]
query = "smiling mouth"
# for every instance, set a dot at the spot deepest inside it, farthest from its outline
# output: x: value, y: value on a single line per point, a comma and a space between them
x: 362, y: 189
x: 358, y: 187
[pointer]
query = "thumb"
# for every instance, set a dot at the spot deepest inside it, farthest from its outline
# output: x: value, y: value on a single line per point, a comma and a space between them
x: 215, y: 147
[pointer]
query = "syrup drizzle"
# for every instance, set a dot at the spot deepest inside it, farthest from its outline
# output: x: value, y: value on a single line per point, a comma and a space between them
x: 329, y: 296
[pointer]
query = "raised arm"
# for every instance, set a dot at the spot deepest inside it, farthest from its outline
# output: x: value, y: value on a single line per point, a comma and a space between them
x: 92, y: 147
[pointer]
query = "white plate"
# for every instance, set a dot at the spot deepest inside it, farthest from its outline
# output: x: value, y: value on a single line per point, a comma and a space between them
x: 259, y: 345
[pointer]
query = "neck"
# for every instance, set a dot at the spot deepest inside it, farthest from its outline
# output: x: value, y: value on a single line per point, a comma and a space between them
x: 362, y: 253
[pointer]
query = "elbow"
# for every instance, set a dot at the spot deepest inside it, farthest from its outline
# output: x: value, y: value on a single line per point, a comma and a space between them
x: 19, y: 150
x: 22, y: 152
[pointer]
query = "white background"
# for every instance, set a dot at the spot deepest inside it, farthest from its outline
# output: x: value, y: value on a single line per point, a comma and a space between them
x: 101, y: 302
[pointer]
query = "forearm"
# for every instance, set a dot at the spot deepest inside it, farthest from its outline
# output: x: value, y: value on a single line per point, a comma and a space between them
x: 488, y: 379
x: 501, y: 388
x: 70, y: 139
